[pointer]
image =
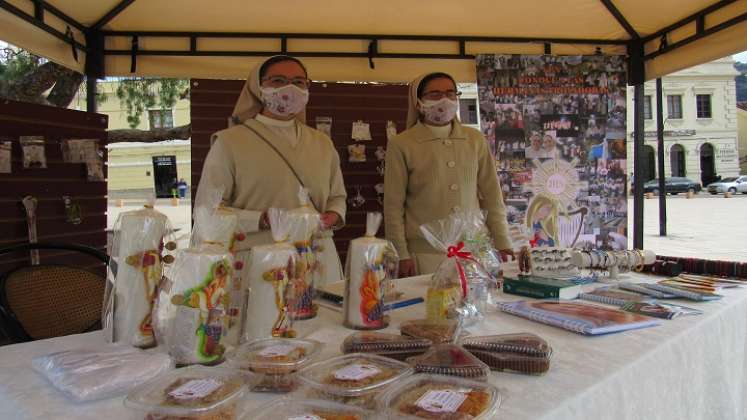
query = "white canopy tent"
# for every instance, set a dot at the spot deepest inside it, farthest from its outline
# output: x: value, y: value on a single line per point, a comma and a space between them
x: 383, y: 40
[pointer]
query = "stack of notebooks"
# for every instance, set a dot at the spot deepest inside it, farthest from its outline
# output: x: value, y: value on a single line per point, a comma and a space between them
x: 642, y: 302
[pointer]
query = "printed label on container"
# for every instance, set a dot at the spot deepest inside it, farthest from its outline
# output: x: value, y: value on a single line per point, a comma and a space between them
x: 305, y: 417
x: 442, y: 401
x: 196, y: 388
x: 356, y: 372
x: 277, y: 350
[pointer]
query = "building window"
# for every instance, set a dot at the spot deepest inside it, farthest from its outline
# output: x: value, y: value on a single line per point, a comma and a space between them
x: 674, y: 107
x: 468, y: 111
x: 161, y: 118
x: 703, y: 104
x: 647, y: 107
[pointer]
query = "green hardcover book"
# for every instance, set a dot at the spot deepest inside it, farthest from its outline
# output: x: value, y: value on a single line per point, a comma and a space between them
x: 541, y: 287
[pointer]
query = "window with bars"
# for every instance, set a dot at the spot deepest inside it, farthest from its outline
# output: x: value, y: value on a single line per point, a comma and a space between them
x: 468, y: 111
x: 647, y: 107
x: 703, y: 105
x: 160, y: 118
x: 674, y: 107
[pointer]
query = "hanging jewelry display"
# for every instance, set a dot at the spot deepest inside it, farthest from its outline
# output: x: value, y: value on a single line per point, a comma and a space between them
x: 379, y: 192
x: 6, y: 149
x: 357, y: 201
x: 356, y: 153
x: 324, y: 124
x: 33, y: 152
x: 380, y: 154
x: 391, y: 129
x: 361, y: 131
x: 613, y: 263
x: 72, y: 210
x: 552, y: 262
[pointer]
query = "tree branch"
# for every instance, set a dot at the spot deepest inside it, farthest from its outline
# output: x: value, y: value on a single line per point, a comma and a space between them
x: 65, y: 89
x: 183, y: 132
x: 31, y: 87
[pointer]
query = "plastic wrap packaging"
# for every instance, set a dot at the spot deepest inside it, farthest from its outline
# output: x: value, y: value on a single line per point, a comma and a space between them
x: 272, y: 272
x: 190, y: 313
x: 370, y: 267
x: 452, y: 360
x: 521, y: 353
x: 394, y: 346
x: 355, y: 379
x: 459, y: 287
x: 194, y: 393
x: 218, y: 225
x: 106, y: 372
x: 446, y: 331
x: 308, y: 410
x: 273, y: 363
x: 305, y: 225
x: 479, y: 242
x: 137, y: 251
x: 440, y: 398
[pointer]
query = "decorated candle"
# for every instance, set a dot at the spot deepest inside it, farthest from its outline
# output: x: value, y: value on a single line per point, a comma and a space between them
x: 304, y: 224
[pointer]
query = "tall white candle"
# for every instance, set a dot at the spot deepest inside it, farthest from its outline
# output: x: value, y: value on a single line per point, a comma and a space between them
x: 367, y: 277
x: 136, y: 249
x: 272, y: 271
x: 304, y: 223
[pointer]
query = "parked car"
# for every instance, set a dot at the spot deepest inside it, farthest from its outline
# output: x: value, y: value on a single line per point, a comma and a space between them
x: 673, y: 185
x: 732, y: 185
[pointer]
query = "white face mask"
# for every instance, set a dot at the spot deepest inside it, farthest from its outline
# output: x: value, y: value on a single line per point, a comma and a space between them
x: 285, y: 101
x: 439, y: 112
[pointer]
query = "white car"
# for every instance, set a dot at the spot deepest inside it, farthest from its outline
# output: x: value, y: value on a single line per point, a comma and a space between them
x: 732, y: 185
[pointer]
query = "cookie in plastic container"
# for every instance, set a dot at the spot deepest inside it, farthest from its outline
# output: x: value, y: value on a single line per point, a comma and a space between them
x: 520, y: 353
x: 452, y: 360
x: 195, y: 393
x: 440, y: 398
x: 445, y: 331
x: 294, y: 409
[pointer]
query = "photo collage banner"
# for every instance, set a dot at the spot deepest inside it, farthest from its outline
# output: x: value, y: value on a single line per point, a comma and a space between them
x: 556, y: 125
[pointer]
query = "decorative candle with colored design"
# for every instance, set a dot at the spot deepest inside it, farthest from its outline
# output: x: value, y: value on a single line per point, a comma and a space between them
x: 370, y: 266
x: 131, y: 282
x: 305, y: 223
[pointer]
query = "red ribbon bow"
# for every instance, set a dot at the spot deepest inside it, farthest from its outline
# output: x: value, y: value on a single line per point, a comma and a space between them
x: 456, y: 252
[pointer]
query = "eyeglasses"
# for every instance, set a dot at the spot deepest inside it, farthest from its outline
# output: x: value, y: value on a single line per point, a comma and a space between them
x: 280, y: 81
x: 435, y: 95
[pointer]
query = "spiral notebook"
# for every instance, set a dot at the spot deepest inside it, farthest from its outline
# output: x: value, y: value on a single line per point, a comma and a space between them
x: 640, y: 288
x: 687, y: 294
x: 659, y: 309
x: 580, y: 317
x: 613, y: 296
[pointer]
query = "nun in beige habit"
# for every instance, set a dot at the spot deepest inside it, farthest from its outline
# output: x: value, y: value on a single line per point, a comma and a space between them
x: 268, y: 153
x: 433, y: 168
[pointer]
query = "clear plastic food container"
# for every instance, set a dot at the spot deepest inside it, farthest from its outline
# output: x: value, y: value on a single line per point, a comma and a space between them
x: 452, y: 360
x: 195, y: 392
x: 274, y: 362
x: 395, y: 346
x: 437, y: 331
x: 287, y: 409
x: 441, y: 398
x: 353, y: 378
x: 521, y: 353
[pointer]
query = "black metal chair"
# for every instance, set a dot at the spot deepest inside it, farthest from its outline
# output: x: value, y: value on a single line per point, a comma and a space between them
x: 50, y: 300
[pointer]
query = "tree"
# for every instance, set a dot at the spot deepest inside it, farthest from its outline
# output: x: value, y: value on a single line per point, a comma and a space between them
x: 29, y: 78
x: 741, y: 81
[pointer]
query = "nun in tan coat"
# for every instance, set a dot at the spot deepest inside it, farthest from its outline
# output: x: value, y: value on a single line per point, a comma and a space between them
x: 433, y: 168
x: 251, y: 161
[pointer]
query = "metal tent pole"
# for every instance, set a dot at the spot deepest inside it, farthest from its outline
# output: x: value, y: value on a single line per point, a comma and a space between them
x: 660, y: 158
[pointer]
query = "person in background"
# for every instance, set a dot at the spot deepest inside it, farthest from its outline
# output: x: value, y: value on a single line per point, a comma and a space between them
x: 182, y: 187
x: 269, y: 153
x: 433, y: 168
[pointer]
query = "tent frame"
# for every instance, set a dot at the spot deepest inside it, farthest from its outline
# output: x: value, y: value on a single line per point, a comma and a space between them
x: 96, y: 52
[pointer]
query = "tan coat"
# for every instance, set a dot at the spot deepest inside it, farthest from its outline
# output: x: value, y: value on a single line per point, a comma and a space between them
x: 254, y: 178
x: 428, y: 178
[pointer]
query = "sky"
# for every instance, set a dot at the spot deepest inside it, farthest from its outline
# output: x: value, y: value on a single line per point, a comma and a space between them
x: 741, y: 57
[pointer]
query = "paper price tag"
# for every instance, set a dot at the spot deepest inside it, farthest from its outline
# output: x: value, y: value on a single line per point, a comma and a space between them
x: 277, y: 350
x: 356, y: 372
x: 196, y: 388
x: 443, y: 401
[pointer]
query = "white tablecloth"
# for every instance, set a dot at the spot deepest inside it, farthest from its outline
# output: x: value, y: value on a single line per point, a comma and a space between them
x: 687, y: 368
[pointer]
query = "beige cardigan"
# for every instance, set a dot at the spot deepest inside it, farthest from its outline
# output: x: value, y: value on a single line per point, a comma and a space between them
x: 254, y: 178
x: 427, y: 178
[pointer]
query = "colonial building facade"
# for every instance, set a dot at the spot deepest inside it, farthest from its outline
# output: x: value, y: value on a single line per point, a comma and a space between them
x: 700, y: 123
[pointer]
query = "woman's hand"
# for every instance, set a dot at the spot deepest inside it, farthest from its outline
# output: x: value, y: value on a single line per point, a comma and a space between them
x: 505, y: 254
x: 407, y: 268
x: 329, y: 220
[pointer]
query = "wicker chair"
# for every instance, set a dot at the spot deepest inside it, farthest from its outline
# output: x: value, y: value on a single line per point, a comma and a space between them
x: 44, y: 301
